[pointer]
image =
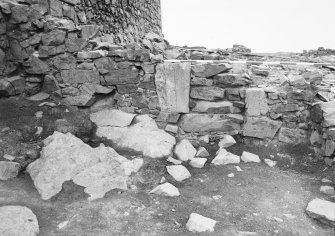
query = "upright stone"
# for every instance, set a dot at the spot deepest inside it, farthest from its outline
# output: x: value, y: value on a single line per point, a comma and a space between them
x: 256, y: 102
x: 173, y: 86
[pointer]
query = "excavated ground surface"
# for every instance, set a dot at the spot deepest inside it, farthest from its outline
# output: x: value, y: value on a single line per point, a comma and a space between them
x: 243, y: 205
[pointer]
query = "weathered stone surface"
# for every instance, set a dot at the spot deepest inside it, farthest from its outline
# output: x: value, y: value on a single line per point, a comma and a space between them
x: 59, y: 23
x: 208, y: 70
x: 8, y: 170
x: 36, y: 66
x: 223, y: 107
x: 178, y: 172
x: 18, y: 83
x: 261, y: 127
x: 231, y: 80
x: 91, y: 54
x: 75, y: 44
x: 184, y: 150
x: 260, y: 70
x: 75, y: 77
x: 122, y: 76
x: 226, y: 141
x: 89, y: 31
x: 82, y: 100
x: 65, y: 157
x: 173, y: 86
x: 202, y: 81
x: 6, y: 88
x: 327, y: 190
x: 293, y: 136
x: 142, y: 137
x: 199, y: 224
x: 256, y: 102
x: 202, y: 152
x: 250, y: 157
x: 113, y: 118
x: 166, y: 189
x: 18, y: 221
x: 224, y: 157
x: 198, y: 162
x: 328, y: 109
x: 206, y: 123
x: 207, y: 93
x: 53, y: 38
x: 322, y: 210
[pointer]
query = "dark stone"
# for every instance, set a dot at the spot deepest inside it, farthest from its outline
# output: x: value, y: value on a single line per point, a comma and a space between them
x: 54, y: 38
x: 125, y: 76
x: 232, y: 80
x: 75, y: 77
x: 48, y: 51
x: 35, y: 66
x: 208, y: 70
x: 75, y: 44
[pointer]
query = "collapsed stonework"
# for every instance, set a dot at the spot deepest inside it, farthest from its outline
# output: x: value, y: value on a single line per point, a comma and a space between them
x: 111, y: 54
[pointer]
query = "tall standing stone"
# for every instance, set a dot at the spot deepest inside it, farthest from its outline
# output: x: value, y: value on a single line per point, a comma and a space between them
x: 173, y: 86
x: 256, y: 102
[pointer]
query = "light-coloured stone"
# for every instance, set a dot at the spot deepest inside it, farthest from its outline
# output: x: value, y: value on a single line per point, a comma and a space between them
x: 256, y: 102
x: 322, y: 210
x: 231, y: 175
x: 198, y: 224
x: 39, y: 97
x: 270, y: 162
x: 172, y: 128
x: 142, y: 137
x: 224, y: 158
x: 178, y: 172
x: 18, y: 221
x: 166, y: 189
x: 261, y: 127
x: 204, y: 138
x: 65, y: 157
x: 184, y: 150
x: 207, y: 123
x: 223, y: 107
x: 227, y: 141
x: 174, y: 161
x: 198, y: 162
x: 327, y: 190
x: 202, y: 152
x: 113, y: 118
x: 8, y: 170
x: 325, y: 180
x: 173, y: 86
x: 250, y: 157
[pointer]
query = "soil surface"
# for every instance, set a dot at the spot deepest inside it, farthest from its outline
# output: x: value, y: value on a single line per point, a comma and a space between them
x: 257, y: 201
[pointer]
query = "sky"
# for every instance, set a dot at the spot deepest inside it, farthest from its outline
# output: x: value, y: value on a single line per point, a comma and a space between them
x: 262, y: 25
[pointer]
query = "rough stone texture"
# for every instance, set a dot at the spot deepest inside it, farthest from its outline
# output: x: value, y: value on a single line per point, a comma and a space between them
x: 206, y: 123
x: 292, y: 136
x: 178, y: 172
x: 142, y: 137
x: 8, y: 170
x: 184, y: 150
x: 261, y: 127
x: 199, y: 224
x: 208, y: 70
x: 328, y: 109
x: 256, y: 102
x: 224, y: 158
x: 322, y: 210
x: 250, y: 157
x: 198, y: 162
x: 223, y: 107
x: 18, y: 221
x: 173, y: 86
x: 166, y: 189
x: 65, y: 157
x: 207, y: 93
x: 226, y: 141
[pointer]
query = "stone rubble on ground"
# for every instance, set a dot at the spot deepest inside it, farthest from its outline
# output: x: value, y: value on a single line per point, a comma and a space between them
x: 231, y: 175
x: 199, y: 224
x: 8, y: 169
x: 224, y: 158
x: 174, y: 161
x: 322, y: 210
x: 18, y: 221
x: 250, y: 157
x: 184, y: 150
x: 270, y: 163
x: 178, y: 172
x: 227, y: 141
x: 202, y: 152
x: 166, y: 189
x: 327, y: 190
x: 65, y: 157
x: 198, y: 162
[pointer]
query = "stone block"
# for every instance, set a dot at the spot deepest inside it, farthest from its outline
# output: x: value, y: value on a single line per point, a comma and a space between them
x: 261, y: 127
x: 256, y: 102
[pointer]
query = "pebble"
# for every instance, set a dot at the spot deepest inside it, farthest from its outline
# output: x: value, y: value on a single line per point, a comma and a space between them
x: 327, y: 190
x: 250, y: 157
x: 166, y: 189
x: 217, y: 197
x: 198, y: 162
x: 270, y: 163
x: 198, y: 224
x: 39, y: 131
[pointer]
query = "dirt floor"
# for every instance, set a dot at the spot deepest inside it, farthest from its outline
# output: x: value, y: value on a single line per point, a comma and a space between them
x: 257, y: 201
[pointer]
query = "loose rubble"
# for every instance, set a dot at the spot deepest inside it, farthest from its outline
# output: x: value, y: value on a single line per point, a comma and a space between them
x: 198, y: 224
x: 322, y: 210
x: 250, y: 157
x: 178, y: 172
x: 224, y: 158
x: 166, y: 189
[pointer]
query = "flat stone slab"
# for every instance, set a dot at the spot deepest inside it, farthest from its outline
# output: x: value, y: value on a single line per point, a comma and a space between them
x: 198, y: 224
x: 224, y: 158
x: 173, y: 86
x: 261, y: 127
x: 207, y: 93
x: 223, y: 107
x: 322, y: 210
x: 18, y: 221
x: 256, y: 102
x: 178, y: 172
x: 208, y: 70
x: 113, y: 118
x: 166, y: 189
x: 8, y: 170
x: 184, y: 150
x: 293, y: 136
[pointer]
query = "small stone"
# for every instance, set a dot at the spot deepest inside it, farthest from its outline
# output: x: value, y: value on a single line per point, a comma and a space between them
x: 227, y: 141
x: 39, y: 114
x: 250, y: 157
x: 238, y: 169
x: 174, y: 161
x: 166, y: 189
x: 231, y: 175
x: 270, y: 163
x: 39, y: 97
x: 184, y: 150
x: 163, y: 180
x: 325, y: 180
x: 114, y: 118
x: 178, y: 172
x: 322, y: 210
x: 224, y: 158
x: 278, y: 219
x: 172, y: 128
x: 9, y: 157
x: 198, y: 162
x: 204, y: 138
x: 202, y: 152
x: 327, y: 190
x: 198, y: 224
x: 290, y: 216
x: 39, y: 131
x: 217, y: 197
x: 8, y: 170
